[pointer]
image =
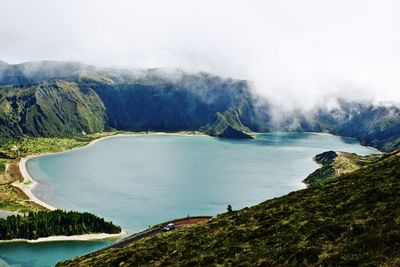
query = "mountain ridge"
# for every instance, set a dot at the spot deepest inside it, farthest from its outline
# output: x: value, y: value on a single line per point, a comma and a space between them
x: 156, y: 100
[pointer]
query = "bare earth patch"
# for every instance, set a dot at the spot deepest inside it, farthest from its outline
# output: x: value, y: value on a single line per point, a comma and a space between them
x: 12, y: 198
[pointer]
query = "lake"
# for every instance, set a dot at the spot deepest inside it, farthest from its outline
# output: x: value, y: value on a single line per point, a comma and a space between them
x: 138, y: 181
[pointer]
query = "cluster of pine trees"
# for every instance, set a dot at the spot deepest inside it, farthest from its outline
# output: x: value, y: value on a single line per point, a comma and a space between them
x: 49, y: 223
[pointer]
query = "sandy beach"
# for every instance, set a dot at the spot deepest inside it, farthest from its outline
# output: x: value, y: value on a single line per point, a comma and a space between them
x: 86, y: 237
x: 28, y: 184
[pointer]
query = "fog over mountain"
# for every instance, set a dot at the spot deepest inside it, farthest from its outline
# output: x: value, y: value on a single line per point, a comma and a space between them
x: 297, y: 53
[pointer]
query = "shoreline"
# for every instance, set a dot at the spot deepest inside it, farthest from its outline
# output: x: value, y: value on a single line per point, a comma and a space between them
x: 28, y: 184
x: 60, y: 238
x: 331, y: 134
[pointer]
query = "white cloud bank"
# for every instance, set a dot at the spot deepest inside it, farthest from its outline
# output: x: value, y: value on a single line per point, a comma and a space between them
x: 297, y: 51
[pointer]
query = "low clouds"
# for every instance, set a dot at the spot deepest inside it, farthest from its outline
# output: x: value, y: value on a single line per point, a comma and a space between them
x: 296, y: 52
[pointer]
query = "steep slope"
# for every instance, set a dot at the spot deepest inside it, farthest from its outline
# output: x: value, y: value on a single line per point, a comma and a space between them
x: 32, y: 72
x: 348, y: 221
x: 51, y: 108
x: 187, y: 103
x: 172, y: 100
x: 228, y: 125
x: 95, y: 102
x: 374, y: 126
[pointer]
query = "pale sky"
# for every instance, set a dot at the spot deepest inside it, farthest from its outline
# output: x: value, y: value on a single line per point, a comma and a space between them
x: 294, y: 51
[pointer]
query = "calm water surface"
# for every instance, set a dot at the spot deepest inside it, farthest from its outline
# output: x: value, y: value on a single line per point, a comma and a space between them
x: 143, y: 180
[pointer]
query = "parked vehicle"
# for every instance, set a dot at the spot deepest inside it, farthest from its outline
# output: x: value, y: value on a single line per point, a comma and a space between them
x: 169, y: 227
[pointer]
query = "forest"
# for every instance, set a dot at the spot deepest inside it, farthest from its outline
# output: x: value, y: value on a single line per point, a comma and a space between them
x: 34, y: 225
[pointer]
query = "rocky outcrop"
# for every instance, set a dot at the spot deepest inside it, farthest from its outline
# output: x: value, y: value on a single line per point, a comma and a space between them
x: 228, y: 125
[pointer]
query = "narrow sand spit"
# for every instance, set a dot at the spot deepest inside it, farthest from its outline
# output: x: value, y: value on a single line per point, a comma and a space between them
x: 86, y: 237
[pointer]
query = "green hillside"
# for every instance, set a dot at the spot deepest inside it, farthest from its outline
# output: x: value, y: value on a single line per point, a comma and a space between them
x: 376, y: 126
x: 52, y: 109
x: 60, y: 99
x: 353, y: 220
x: 338, y: 163
x: 228, y: 124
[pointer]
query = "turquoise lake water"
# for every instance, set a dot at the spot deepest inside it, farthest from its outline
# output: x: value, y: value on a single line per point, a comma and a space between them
x: 139, y: 181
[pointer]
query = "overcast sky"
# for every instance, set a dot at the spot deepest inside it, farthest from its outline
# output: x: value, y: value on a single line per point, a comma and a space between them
x: 292, y: 50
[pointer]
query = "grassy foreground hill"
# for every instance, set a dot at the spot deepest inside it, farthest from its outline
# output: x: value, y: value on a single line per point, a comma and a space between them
x: 351, y: 220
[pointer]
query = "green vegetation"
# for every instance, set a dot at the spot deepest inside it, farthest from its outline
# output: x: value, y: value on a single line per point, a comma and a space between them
x: 3, y: 163
x: 51, y: 109
x: 62, y: 99
x: 376, y: 126
x: 38, y: 145
x: 335, y: 164
x: 228, y: 124
x: 229, y: 208
x: 51, y: 223
x: 11, y: 205
x: 353, y: 220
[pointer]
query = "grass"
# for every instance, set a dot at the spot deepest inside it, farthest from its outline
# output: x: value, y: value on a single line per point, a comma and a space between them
x: 3, y: 163
x: 12, y: 205
x: 38, y: 145
x: 351, y: 220
x: 335, y: 164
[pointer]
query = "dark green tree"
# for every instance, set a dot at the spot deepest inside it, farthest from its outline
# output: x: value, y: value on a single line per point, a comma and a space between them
x: 58, y: 222
x: 229, y: 208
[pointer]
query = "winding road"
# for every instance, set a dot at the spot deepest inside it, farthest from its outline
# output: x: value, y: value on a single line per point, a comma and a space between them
x: 179, y: 223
